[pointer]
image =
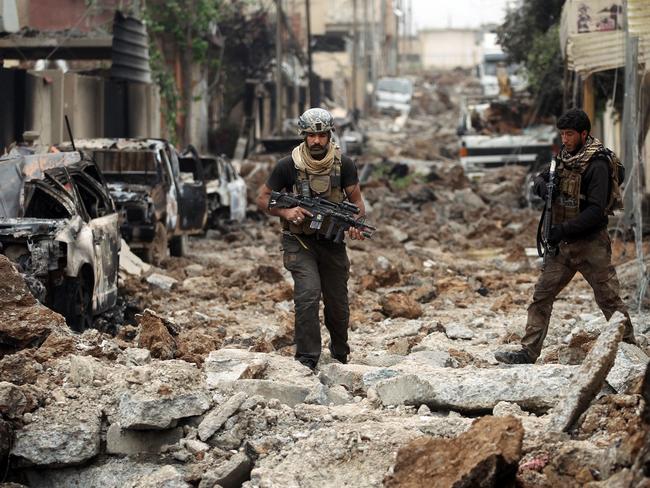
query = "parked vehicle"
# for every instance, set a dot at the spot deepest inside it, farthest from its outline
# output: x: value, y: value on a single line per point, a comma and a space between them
x: 159, y: 207
x: 492, y: 134
x: 59, y: 226
x: 226, y: 190
x: 492, y: 56
x: 394, y: 95
x: 348, y: 134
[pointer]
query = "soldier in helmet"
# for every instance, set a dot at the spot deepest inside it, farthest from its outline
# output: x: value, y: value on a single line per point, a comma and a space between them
x: 319, y: 267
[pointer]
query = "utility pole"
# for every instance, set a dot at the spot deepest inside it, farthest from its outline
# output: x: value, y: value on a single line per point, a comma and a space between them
x: 630, y: 120
x: 632, y: 200
x: 279, y: 94
x: 355, y: 54
x: 366, y: 57
x: 310, y: 74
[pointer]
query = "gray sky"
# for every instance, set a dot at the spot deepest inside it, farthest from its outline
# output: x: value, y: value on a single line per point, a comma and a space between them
x: 456, y: 13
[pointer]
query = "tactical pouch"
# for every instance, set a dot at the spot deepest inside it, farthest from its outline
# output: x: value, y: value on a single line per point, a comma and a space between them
x: 567, y: 204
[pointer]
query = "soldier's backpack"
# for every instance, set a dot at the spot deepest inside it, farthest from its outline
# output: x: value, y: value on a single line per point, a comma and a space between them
x: 617, y: 177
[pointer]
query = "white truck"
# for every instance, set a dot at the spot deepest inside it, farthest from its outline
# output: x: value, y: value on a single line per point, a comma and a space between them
x: 492, y: 134
x: 394, y: 95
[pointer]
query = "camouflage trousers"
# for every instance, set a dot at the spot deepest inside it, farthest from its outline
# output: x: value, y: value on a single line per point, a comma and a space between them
x: 320, y: 268
x: 593, y: 260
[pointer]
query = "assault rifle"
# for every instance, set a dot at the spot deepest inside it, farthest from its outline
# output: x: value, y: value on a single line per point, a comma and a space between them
x: 341, y: 216
x: 544, y: 248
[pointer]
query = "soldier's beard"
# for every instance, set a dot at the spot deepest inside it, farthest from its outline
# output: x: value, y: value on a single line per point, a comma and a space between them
x: 317, y: 151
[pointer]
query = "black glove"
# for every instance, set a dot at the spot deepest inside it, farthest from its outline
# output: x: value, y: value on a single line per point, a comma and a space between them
x: 555, y: 235
x: 539, y: 187
x: 540, y: 182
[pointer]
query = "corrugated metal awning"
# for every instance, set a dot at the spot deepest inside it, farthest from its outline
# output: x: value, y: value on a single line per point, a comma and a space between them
x: 592, y: 37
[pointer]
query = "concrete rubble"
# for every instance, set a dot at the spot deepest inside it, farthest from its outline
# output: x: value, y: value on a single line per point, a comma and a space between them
x: 199, y: 387
x: 589, y: 379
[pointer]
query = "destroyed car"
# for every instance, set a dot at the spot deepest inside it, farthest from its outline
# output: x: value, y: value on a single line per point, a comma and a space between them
x: 59, y: 226
x: 394, y: 95
x: 225, y: 188
x: 496, y: 133
x: 158, y: 206
x: 348, y: 135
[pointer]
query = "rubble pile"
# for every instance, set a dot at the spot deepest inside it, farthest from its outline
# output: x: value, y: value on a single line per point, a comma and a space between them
x: 202, y: 389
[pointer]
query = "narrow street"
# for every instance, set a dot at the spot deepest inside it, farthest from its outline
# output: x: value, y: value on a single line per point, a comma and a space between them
x: 202, y: 390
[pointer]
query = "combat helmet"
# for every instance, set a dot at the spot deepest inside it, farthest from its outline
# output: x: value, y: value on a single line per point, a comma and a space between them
x: 315, y: 120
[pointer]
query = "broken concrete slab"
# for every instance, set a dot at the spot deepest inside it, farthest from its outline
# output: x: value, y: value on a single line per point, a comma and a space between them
x: 349, y: 375
x: 395, y: 234
x: 495, y: 442
x: 323, y: 395
x: 130, y: 263
x: 628, y: 369
x: 134, y: 356
x: 226, y: 365
x: 167, y: 476
x: 533, y: 388
x: 285, y: 393
x: 458, y: 331
x: 83, y: 370
x: 214, y: 419
x: 56, y: 440
x: 427, y: 359
x: 109, y: 472
x: 229, y: 474
x: 161, y: 281
x: 578, y: 394
x: 133, y: 442
x: 142, y: 410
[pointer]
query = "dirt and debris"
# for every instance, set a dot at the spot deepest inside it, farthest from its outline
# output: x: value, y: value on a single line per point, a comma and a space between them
x: 199, y: 388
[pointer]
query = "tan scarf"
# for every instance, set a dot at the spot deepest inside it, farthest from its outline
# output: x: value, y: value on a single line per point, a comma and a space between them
x: 304, y: 161
x: 579, y: 161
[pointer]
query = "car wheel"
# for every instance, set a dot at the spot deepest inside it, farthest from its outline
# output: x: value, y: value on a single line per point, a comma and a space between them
x: 79, y: 314
x: 178, y: 246
x: 156, y: 251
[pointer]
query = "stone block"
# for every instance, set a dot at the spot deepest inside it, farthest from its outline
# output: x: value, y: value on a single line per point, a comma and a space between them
x: 218, y: 416
x: 472, y: 390
x: 629, y: 368
x: 132, y: 442
x: 578, y: 394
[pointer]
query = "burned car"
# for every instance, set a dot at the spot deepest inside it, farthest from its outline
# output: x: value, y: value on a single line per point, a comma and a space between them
x: 225, y: 188
x: 59, y: 226
x: 158, y: 206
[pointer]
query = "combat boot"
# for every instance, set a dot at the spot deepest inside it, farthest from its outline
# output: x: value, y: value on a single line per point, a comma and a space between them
x: 513, y: 357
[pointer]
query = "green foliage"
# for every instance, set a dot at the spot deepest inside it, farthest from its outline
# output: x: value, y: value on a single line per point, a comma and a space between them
x: 167, y: 88
x: 187, y: 25
x: 529, y: 36
x: 545, y: 69
x: 522, y: 26
x: 188, y: 22
x: 406, y: 181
